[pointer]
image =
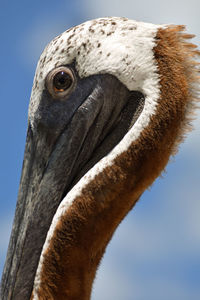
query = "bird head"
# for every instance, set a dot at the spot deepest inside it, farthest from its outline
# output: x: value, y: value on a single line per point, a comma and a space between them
x: 110, y: 102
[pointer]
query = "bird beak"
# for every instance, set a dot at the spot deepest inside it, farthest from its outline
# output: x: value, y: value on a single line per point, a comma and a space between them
x: 54, y: 160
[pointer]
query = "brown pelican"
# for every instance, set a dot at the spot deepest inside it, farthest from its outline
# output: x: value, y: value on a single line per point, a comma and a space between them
x: 111, y: 101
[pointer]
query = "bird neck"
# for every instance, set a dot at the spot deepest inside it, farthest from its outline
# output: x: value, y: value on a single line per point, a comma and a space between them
x: 78, y: 244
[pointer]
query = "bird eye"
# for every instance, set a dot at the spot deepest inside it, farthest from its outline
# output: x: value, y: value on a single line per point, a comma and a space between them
x: 60, y: 82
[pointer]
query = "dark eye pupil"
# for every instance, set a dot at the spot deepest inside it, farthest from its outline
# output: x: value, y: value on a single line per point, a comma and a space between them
x: 62, y: 81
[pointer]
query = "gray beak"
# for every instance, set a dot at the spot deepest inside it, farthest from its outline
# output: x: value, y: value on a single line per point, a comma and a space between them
x: 67, y: 139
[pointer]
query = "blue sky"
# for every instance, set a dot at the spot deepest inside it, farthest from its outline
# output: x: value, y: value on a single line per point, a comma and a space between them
x: 155, y: 252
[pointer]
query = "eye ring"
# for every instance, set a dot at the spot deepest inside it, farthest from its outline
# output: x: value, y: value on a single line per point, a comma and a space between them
x: 60, y: 82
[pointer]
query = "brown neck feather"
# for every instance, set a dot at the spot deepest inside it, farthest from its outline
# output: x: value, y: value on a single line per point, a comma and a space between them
x: 80, y: 239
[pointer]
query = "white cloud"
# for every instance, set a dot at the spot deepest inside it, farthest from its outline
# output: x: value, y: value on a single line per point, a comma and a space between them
x: 5, y: 225
x: 192, y: 142
x: 156, y: 11
x: 112, y: 284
